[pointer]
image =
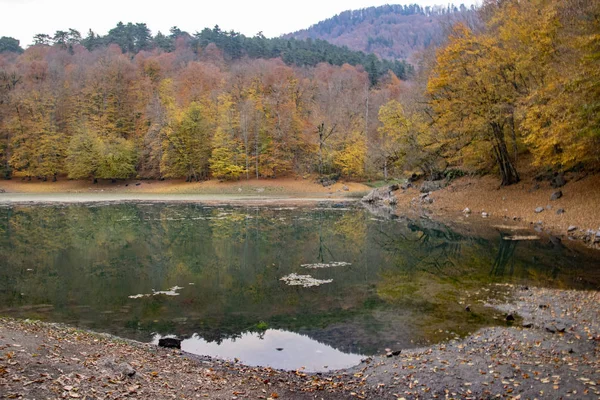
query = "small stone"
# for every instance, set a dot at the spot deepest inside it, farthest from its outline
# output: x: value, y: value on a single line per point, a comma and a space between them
x: 551, y: 329
x: 396, y: 353
x: 484, y: 215
x: 539, y: 210
x: 138, y: 184
x: 171, y: 343
x: 467, y: 211
x: 528, y: 325
x: 556, y: 195
x: 548, y: 207
x: 510, y: 317
x: 571, y: 228
x: 560, y: 328
x: 560, y: 211
x: 468, y: 308
x: 346, y: 188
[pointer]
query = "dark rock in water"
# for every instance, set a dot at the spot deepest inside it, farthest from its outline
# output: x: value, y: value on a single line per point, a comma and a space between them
x: 338, y: 205
x: 525, y: 288
x: 560, y: 211
x: 556, y: 195
x: 171, y: 343
x: 138, y: 184
x: 389, y: 354
x: 510, y: 317
x: 572, y: 228
x: 539, y: 210
x: 432, y: 186
x: 279, y: 349
x: 394, y: 187
x: 468, y: 308
x: 551, y: 329
x: 528, y: 325
x: 543, y: 306
x: 396, y: 353
x: 558, y: 181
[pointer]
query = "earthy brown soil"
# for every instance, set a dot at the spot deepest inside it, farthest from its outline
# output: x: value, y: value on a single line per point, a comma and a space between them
x: 514, y: 204
x: 557, y: 356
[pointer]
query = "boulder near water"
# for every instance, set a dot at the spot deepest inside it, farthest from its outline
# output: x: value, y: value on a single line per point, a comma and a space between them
x: 382, y: 195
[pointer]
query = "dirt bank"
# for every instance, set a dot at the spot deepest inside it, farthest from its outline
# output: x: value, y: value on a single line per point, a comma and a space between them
x: 513, y: 205
x: 557, y: 356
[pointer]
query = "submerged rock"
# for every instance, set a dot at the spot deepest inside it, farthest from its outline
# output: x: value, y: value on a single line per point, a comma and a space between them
x: 556, y: 195
x: 304, y: 280
x: 539, y: 210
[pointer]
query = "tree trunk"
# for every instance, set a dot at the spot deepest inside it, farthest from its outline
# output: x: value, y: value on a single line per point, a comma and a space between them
x: 385, y: 170
x: 508, y: 171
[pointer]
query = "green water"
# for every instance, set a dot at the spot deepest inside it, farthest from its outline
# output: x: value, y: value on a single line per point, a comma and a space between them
x: 402, y: 283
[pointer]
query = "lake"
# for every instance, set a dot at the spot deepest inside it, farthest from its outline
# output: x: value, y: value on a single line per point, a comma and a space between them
x: 316, y: 287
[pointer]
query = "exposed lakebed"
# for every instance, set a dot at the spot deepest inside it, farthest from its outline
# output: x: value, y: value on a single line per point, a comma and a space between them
x: 281, y: 286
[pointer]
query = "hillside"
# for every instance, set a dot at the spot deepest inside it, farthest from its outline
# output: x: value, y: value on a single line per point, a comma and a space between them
x: 390, y: 31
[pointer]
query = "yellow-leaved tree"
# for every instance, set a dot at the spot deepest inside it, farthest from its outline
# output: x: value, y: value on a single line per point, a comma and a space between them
x: 474, y: 91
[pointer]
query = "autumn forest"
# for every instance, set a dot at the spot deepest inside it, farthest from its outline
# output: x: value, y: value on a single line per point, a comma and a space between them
x: 512, y: 78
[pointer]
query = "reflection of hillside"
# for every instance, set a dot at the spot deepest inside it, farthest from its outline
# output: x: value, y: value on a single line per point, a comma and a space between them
x: 79, y: 265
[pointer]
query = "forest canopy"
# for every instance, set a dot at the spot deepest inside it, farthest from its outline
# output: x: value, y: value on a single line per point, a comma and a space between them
x: 520, y: 79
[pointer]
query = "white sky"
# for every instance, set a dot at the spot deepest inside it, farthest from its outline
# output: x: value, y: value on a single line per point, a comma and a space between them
x: 22, y: 19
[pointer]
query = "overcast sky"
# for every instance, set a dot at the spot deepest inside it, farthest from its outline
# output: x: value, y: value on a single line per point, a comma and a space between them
x: 24, y: 18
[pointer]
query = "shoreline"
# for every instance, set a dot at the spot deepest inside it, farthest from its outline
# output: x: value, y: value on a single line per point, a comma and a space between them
x: 90, y: 198
x: 554, y: 351
x: 513, y: 207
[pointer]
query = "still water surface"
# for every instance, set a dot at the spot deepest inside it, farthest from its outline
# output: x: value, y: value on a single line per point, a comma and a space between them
x: 353, y: 284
